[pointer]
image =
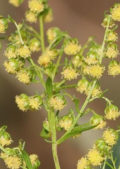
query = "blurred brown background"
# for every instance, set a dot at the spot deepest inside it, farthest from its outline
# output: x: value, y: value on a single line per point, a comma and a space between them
x: 80, y: 18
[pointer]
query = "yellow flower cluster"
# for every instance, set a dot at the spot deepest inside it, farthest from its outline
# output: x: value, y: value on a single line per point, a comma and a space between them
x: 48, y: 17
x: 72, y: 48
x: 76, y: 61
x: 23, y: 76
x: 34, y: 45
x: 111, y: 112
x: 110, y: 136
x: 51, y: 34
x: 69, y: 73
x: 57, y: 103
x: 115, y: 13
x: 112, y: 36
x: 111, y: 52
x: 82, y: 85
x: 12, y: 162
x: 82, y: 163
x: 5, y: 141
x: 23, y: 52
x: 25, y: 103
x: 35, y: 6
x: 94, y: 157
x: 33, y: 159
x: 2, y: 26
x: 47, y: 57
x: 10, y: 52
x: 114, y: 68
x: 98, y: 121
x: 95, y: 71
x: 65, y: 123
x: 31, y: 17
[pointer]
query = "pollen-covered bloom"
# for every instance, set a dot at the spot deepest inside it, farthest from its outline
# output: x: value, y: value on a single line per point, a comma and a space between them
x: 47, y: 57
x: 82, y: 163
x: 115, y: 12
x: 110, y: 136
x: 98, y: 121
x: 36, y: 6
x: 3, y: 24
x: 35, y: 102
x: 57, y: 102
x: 22, y: 102
x: 34, y: 45
x: 23, y: 76
x: 12, y: 162
x: 111, y: 112
x: 5, y: 139
x: 31, y: 17
x: 114, y: 68
x: 13, y: 65
x: 34, y: 160
x: 82, y: 85
x: 112, y: 36
x: 49, y: 16
x: 51, y: 34
x: 94, y: 157
x: 72, y: 48
x: 23, y: 51
x: 66, y: 122
x: 95, y: 71
x: 69, y: 73
x: 10, y: 52
x: 15, y: 3
x: 112, y: 51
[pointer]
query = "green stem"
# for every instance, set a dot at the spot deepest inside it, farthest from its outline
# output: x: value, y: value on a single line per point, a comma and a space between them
x: 42, y: 34
x: 52, y: 122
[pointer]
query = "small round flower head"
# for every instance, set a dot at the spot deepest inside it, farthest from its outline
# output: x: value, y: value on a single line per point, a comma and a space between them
x: 98, y: 121
x: 49, y: 16
x: 35, y: 6
x: 16, y: 3
x: 10, y: 52
x: 82, y: 163
x: 57, y: 102
x: 105, y: 21
x: 34, y: 45
x: 95, y: 158
x: 69, y: 73
x: 96, y: 92
x: 23, y: 52
x: 110, y: 136
x: 47, y: 57
x: 5, y: 139
x: 23, y: 76
x: 31, y: 17
x: 76, y: 61
x: 82, y: 85
x: 111, y: 112
x: 22, y: 102
x: 3, y: 24
x: 112, y: 51
x: 95, y: 71
x: 34, y: 160
x: 114, y: 68
x: 72, y: 48
x: 52, y: 34
x: 91, y: 59
x: 102, y: 146
x: 115, y: 12
x: 66, y: 122
x: 13, y: 65
x: 13, y: 162
x: 35, y: 102
x: 112, y: 36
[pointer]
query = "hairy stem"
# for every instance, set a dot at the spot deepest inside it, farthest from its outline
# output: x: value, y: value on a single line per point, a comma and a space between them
x: 42, y: 34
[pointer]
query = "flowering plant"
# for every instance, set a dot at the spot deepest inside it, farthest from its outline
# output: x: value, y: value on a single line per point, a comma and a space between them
x: 61, y: 56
